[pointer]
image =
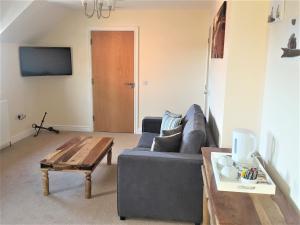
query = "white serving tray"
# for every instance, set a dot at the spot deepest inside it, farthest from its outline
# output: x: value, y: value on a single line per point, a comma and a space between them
x: 224, y: 184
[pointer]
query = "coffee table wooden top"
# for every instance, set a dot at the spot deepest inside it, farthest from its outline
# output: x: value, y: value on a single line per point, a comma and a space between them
x: 242, y: 208
x: 79, y: 153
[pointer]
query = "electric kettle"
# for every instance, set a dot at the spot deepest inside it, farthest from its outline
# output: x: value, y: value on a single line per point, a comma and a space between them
x: 243, y: 145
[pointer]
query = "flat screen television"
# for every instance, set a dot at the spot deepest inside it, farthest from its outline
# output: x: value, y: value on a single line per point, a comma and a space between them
x: 45, y: 61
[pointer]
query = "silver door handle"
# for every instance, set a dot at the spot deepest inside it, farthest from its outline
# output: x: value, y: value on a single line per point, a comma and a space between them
x: 132, y: 85
x: 205, y: 92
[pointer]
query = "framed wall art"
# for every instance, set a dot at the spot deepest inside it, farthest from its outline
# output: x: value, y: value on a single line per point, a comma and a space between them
x: 218, y: 35
x: 276, y: 11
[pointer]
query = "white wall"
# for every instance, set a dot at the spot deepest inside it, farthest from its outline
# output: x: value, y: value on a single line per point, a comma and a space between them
x: 247, y: 32
x: 253, y: 87
x: 172, y: 61
x: 20, y: 92
x: 21, y: 22
x: 29, y: 19
x: 217, y: 77
x: 10, y: 10
x: 280, y: 122
x: 236, y: 80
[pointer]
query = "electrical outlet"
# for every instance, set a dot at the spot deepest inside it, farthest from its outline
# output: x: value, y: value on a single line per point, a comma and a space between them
x: 21, y: 116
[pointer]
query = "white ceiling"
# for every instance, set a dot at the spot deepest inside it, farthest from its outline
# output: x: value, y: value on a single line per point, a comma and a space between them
x: 23, y: 21
x: 135, y: 4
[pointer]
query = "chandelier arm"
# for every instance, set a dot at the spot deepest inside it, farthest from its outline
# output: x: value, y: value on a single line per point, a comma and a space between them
x: 106, y: 17
x: 85, y: 10
x: 99, y: 10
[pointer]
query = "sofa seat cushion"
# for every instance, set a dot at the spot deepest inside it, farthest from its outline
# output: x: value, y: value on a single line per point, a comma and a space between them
x: 140, y: 149
x: 146, y: 140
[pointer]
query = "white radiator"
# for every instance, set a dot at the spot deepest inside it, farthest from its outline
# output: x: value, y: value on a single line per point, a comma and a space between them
x: 4, y: 124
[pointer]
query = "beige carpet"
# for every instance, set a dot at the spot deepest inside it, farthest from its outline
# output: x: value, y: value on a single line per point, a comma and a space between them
x: 21, y: 199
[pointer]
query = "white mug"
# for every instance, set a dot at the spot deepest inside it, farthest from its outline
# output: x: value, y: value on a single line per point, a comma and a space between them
x: 225, y: 161
x: 229, y: 172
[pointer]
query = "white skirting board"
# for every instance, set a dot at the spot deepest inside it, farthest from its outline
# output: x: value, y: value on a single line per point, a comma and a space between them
x: 77, y: 128
x: 21, y: 135
x: 26, y: 133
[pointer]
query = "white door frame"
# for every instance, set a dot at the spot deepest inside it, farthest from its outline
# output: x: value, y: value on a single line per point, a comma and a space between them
x: 206, y: 89
x: 136, y: 69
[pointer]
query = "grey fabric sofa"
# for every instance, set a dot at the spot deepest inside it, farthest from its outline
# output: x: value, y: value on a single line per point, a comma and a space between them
x: 164, y: 185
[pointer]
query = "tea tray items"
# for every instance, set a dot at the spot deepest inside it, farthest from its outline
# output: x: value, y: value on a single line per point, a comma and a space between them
x: 262, y: 184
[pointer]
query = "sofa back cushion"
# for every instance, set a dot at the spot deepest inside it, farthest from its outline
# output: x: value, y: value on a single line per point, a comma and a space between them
x: 190, y: 113
x: 194, y: 132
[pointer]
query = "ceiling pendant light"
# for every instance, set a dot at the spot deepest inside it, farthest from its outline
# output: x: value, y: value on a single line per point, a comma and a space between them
x: 98, y: 7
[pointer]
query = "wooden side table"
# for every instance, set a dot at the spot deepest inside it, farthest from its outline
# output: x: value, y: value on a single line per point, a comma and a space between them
x: 232, y: 208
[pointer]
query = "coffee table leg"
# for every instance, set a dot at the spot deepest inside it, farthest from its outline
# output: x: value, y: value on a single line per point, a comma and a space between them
x: 109, y: 155
x: 45, y: 180
x: 88, y: 185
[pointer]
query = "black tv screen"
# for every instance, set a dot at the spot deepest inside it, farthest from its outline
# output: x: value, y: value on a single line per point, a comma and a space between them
x: 45, y: 61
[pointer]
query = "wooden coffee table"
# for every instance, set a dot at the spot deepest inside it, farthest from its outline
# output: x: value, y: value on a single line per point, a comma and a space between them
x: 81, y: 154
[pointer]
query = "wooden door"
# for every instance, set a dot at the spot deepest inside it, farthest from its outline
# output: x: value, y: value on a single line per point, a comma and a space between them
x: 113, y: 80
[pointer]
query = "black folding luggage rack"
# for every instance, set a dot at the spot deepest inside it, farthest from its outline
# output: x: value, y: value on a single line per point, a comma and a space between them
x: 39, y: 127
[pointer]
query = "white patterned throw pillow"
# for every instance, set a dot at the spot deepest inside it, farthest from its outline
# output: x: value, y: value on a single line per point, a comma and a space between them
x: 170, y: 121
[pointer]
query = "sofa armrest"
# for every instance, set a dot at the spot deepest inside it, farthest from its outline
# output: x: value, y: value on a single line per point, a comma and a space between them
x: 160, y: 185
x: 151, y: 124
